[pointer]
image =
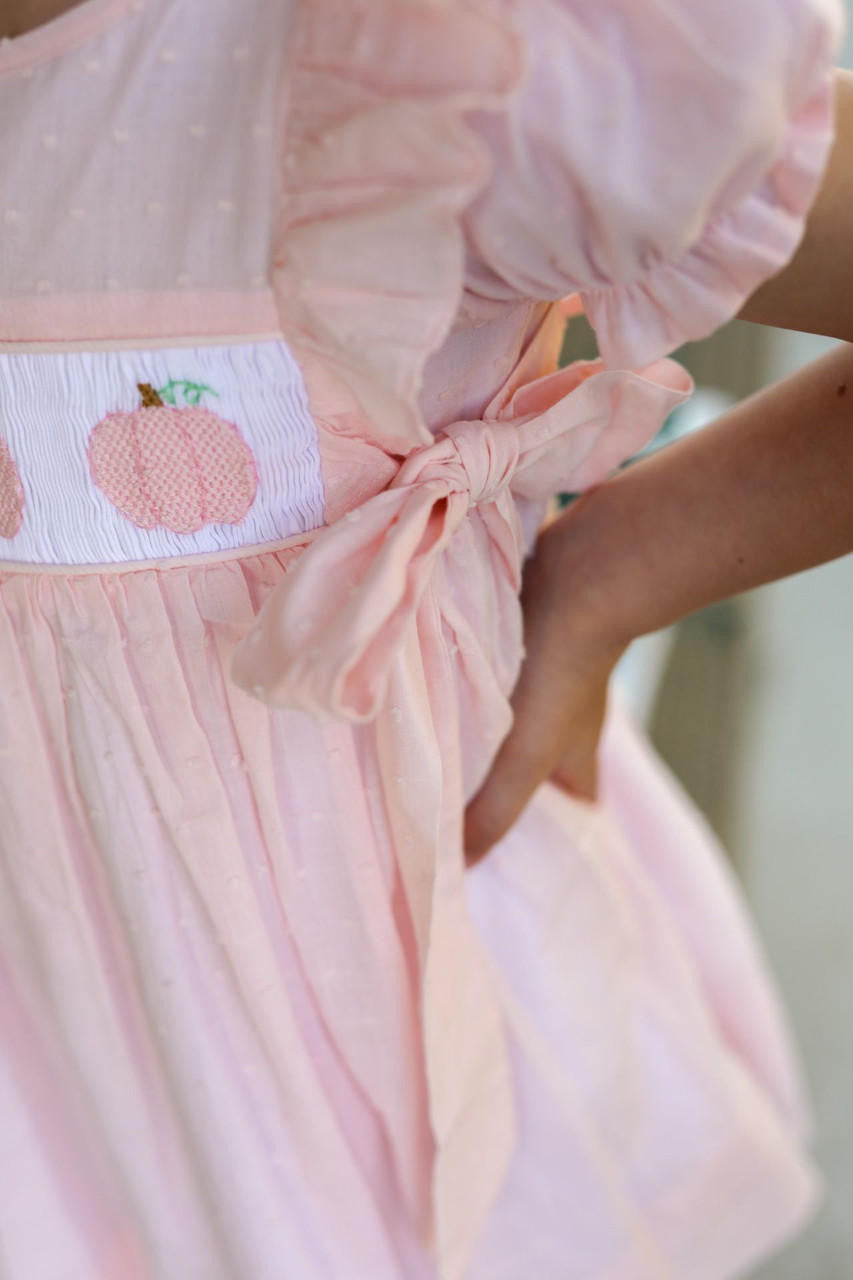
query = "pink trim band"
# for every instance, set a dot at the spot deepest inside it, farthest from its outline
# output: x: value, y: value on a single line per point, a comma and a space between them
x: 131, y: 344
x: 103, y: 317
x: 161, y: 563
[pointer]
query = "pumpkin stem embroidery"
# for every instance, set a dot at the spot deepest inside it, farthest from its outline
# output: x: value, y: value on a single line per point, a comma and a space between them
x: 150, y: 397
x: 176, y: 468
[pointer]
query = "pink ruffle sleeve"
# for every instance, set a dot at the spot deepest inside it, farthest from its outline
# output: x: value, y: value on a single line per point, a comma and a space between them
x: 659, y: 159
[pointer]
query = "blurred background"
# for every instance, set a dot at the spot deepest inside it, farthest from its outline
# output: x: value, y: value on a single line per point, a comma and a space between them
x: 751, y: 705
x: 754, y: 712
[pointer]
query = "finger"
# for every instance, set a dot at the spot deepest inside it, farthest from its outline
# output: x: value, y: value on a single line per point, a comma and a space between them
x: 530, y: 752
x: 528, y: 755
x: 501, y: 800
x: 552, y: 737
x: 578, y: 775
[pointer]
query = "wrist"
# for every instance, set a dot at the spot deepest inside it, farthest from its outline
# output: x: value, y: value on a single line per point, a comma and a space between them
x: 570, y: 570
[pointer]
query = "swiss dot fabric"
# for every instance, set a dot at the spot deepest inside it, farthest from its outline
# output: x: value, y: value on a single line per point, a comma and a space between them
x: 184, y: 110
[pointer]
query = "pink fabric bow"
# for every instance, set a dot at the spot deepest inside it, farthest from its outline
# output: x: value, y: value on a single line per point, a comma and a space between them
x: 326, y: 637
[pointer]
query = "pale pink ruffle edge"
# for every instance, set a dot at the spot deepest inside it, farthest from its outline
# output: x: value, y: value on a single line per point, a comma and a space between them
x: 685, y: 300
x: 378, y: 154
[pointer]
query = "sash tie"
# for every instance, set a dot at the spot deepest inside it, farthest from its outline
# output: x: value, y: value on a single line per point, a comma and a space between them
x: 327, y: 635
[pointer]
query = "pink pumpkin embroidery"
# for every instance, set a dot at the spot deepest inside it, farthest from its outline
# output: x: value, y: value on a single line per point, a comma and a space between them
x: 177, y: 468
x: 11, y: 494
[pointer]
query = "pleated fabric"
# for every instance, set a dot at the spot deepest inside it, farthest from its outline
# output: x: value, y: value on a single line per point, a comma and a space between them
x: 211, y: 983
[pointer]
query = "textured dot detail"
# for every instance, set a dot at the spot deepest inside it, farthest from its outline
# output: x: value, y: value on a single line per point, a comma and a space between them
x: 225, y: 206
x: 48, y: 141
x: 112, y: 283
x: 241, y: 53
x: 257, y: 280
x: 154, y: 208
x: 93, y: 66
x: 77, y: 213
x: 121, y: 136
x: 184, y: 279
x: 11, y: 217
x: 168, y: 55
x: 198, y: 130
x: 43, y: 286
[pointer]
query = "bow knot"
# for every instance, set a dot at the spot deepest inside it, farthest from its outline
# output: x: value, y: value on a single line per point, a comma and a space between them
x: 326, y: 637
x: 476, y: 459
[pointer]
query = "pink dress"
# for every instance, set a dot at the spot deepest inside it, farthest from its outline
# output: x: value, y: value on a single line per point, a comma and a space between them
x: 279, y: 418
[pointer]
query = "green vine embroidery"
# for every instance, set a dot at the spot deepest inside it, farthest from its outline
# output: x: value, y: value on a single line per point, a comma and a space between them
x: 191, y: 392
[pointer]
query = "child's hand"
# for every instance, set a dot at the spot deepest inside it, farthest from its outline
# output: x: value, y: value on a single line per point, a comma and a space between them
x: 763, y: 492
x: 560, y: 699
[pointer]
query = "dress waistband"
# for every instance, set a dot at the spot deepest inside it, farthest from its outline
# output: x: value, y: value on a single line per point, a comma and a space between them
x: 128, y: 458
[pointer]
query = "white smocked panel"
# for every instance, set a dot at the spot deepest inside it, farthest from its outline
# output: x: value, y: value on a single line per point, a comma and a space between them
x: 235, y: 430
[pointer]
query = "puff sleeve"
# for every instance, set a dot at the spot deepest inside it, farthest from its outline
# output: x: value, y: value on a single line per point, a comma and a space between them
x: 659, y: 158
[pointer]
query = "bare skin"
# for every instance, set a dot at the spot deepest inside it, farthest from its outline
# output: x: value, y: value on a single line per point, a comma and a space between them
x: 19, y: 16
x: 813, y: 293
x: 764, y: 492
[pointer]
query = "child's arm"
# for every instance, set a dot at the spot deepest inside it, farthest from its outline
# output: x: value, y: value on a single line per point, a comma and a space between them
x: 814, y: 293
x: 764, y: 492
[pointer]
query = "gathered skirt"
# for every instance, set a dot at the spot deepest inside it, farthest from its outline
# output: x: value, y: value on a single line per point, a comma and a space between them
x: 210, y: 990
